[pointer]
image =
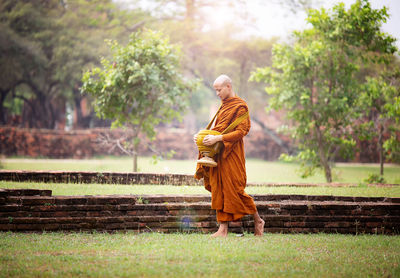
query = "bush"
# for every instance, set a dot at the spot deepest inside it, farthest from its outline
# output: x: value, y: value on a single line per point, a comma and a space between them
x: 375, y: 178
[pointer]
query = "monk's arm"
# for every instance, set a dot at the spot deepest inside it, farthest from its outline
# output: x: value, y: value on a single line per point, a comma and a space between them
x: 241, y: 130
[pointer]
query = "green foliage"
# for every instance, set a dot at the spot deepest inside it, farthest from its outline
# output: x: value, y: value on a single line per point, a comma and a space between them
x: 392, y: 145
x: 379, y: 102
x: 28, y: 32
x: 316, y: 81
x: 375, y: 178
x: 141, y: 86
x: 59, y: 38
x: 62, y: 38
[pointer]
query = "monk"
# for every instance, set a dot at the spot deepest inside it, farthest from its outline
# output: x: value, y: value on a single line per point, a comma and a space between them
x: 227, y: 180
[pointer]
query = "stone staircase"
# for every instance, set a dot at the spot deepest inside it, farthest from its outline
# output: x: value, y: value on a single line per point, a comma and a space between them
x: 37, y: 210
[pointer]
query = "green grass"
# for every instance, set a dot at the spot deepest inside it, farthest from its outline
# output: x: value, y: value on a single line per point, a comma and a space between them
x: 257, y: 170
x: 107, y: 189
x: 196, y: 255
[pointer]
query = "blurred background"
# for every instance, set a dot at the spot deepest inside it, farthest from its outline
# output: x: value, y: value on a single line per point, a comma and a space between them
x: 46, y: 46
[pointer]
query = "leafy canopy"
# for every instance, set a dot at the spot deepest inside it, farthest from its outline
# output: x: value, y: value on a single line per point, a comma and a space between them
x: 141, y: 87
x: 379, y: 102
x: 318, y: 79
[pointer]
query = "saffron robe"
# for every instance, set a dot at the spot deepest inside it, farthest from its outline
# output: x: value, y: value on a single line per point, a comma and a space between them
x: 227, y: 181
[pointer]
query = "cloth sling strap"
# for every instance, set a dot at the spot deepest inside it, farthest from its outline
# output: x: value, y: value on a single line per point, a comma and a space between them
x: 232, y: 125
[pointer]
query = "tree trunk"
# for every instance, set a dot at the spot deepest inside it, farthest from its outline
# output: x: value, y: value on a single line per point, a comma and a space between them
x: 52, y: 114
x: 380, y: 148
x: 325, y: 163
x: 135, y: 168
x: 43, y: 120
x: 2, y: 110
x: 320, y: 141
x: 78, y: 109
x: 42, y: 116
x: 328, y: 172
x: 322, y: 156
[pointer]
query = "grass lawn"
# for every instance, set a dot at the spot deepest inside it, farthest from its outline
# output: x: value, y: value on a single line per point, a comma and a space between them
x: 196, y: 255
x: 257, y: 170
x: 108, y: 189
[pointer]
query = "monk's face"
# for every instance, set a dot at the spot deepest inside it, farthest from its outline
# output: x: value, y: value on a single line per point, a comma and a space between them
x: 223, y: 91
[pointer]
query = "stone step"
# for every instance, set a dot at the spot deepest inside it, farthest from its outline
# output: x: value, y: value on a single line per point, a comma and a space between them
x: 24, y: 192
x: 270, y: 219
x: 14, y: 196
x: 38, y: 210
x: 326, y: 209
x: 198, y: 223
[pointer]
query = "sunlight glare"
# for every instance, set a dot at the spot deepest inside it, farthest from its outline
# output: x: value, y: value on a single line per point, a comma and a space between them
x: 217, y: 16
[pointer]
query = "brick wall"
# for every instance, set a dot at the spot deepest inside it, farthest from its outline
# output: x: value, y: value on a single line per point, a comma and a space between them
x: 133, y: 178
x: 96, y: 177
x: 37, y: 210
x: 82, y: 143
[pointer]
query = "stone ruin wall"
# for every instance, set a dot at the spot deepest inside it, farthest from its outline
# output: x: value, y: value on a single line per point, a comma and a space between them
x: 83, y: 143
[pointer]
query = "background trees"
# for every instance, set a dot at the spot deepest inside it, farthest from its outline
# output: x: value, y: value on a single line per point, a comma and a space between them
x: 29, y: 38
x: 321, y: 75
x: 379, y: 105
x: 63, y: 38
x: 318, y: 80
x: 45, y: 45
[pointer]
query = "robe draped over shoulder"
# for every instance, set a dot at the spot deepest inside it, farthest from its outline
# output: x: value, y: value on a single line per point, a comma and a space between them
x: 227, y: 181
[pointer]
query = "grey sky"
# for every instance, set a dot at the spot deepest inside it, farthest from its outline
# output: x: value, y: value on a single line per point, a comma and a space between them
x: 272, y: 20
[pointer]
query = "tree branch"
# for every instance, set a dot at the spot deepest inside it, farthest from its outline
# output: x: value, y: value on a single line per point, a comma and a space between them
x: 272, y: 134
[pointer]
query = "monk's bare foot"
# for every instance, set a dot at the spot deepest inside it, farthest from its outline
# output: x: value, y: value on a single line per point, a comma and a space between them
x: 222, y: 231
x: 219, y: 234
x: 259, y: 228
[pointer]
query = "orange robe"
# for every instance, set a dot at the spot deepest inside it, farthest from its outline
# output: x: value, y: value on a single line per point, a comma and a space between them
x: 227, y: 181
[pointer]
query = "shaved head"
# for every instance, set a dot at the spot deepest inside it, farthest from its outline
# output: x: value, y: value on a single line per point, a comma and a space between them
x: 223, y: 80
x: 223, y: 87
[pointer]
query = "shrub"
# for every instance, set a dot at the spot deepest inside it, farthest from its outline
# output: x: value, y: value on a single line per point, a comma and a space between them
x: 375, y: 178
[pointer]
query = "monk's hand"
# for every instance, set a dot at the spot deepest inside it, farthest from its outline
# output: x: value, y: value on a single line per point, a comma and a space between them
x: 195, y: 138
x: 210, y: 140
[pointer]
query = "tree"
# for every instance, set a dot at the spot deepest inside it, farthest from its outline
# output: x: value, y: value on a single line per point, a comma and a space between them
x: 379, y: 102
x: 141, y: 87
x: 27, y: 34
x: 317, y: 80
x: 58, y: 38
x: 86, y: 25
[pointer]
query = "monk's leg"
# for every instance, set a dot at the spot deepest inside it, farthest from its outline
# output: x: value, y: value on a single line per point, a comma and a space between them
x: 222, y: 231
x: 258, y: 225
